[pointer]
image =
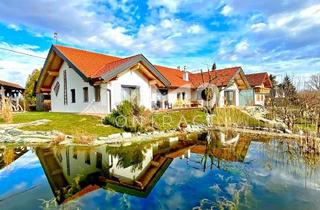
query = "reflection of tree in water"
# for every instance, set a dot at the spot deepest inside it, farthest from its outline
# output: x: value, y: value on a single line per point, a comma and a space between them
x: 129, y: 156
x: 216, y: 153
x: 10, y: 154
x: 291, y: 157
x: 233, y: 187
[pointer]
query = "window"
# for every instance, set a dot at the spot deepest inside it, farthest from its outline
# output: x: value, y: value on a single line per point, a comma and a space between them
x: 56, y: 88
x: 87, y: 160
x: 85, y: 94
x: 178, y: 95
x: 73, y: 96
x: 230, y: 97
x: 99, y: 160
x: 183, y: 95
x: 97, y: 91
x: 130, y: 93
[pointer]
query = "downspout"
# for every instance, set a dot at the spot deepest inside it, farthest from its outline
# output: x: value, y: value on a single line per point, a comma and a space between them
x: 109, y: 96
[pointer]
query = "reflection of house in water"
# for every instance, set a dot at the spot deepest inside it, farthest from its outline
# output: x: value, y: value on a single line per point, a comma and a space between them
x: 132, y: 170
x: 8, y: 155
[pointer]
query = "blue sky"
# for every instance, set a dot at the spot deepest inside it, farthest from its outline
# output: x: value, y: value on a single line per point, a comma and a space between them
x: 275, y: 36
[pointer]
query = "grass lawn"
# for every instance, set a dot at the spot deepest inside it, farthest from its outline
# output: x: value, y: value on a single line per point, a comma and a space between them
x: 72, y: 124
x: 86, y: 125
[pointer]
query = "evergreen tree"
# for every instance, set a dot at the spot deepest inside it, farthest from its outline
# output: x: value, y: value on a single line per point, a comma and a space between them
x: 29, y: 95
x: 288, y: 89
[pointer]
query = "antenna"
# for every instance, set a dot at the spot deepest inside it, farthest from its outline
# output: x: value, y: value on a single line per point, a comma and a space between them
x: 55, y: 37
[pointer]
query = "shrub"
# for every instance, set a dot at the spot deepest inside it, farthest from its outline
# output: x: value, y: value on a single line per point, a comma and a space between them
x: 131, y: 117
x: 6, y: 110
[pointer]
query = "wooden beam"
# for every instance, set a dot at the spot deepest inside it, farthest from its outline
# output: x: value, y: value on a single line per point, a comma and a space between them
x: 153, y: 82
x: 45, y: 89
x: 53, y: 73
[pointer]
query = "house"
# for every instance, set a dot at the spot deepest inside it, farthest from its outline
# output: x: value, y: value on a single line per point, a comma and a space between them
x: 12, y: 91
x: 261, y: 86
x: 87, y: 82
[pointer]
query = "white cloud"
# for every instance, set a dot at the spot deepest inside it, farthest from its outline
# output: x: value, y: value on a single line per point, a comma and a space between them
x: 15, y: 67
x: 226, y: 10
x: 242, y: 46
x: 14, y: 27
x: 194, y: 29
x: 171, y: 5
x: 258, y: 27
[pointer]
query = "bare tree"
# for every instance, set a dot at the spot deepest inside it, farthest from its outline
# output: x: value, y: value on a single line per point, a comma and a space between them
x: 314, y: 82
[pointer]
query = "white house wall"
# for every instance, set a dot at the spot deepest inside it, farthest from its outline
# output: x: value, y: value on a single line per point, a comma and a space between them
x: 232, y: 87
x: 131, y: 78
x: 74, y: 81
x: 172, y: 94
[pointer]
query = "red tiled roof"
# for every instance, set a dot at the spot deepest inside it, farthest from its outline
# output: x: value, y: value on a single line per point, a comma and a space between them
x: 10, y: 84
x: 110, y: 66
x: 89, y: 63
x: 222, y: 77
x: 94, y: 65
x: 174, y: 76
x: 258, y: 79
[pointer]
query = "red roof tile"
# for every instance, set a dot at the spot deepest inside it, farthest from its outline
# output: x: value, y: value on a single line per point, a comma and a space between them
x: 222, y: 77
x: 258, y: 79
x: 10, y: 84
x: 110, y: 66
x: 174, y: 76
x: 87, y: 62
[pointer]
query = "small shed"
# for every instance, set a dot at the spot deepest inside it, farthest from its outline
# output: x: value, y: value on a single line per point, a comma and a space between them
x: 12, y: 91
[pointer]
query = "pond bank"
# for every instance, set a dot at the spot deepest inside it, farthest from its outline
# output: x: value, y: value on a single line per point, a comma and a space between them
x: 10, y: 133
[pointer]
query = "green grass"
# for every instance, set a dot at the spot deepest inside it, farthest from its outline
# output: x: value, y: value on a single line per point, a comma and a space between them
x: 229, y: 116
x: 172, y: 119
x: 86, y: 125
x: 72, y: 124
x: 222, y: 117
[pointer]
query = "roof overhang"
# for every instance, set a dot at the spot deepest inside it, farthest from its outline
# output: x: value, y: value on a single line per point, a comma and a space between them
x: 138, y: 60
x: 51, y: 68
x: 240, y: 79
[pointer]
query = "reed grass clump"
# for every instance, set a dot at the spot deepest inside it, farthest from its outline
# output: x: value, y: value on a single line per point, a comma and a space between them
x: 6, y: 110
x: 229, y: 116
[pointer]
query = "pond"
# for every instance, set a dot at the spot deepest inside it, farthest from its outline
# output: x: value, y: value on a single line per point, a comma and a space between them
x: 213, y: 170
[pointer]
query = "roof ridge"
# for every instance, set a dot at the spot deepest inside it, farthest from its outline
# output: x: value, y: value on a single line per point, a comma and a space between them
x: 88, y: 51
x: 258, y: 73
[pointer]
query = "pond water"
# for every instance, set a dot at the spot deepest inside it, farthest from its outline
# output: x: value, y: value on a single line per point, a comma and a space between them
x: 199, y: 171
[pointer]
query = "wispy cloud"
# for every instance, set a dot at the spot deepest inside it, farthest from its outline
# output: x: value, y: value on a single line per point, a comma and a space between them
x: 251, y: 33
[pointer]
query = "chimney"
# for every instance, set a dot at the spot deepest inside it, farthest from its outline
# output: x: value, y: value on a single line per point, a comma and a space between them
x: 185, y: 74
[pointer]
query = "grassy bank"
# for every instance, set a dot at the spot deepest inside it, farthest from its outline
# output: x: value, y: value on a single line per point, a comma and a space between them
x: 72, y: 124
x: 172, y: 119
x: 230, y: 116
x: 222, y: 117
x: 78, y: 125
